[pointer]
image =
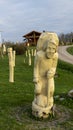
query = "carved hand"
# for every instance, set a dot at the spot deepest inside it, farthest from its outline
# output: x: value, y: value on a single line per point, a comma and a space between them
x: 51, y: 73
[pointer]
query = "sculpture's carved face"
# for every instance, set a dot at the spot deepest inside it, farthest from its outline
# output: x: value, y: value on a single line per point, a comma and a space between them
x: 50, y: 50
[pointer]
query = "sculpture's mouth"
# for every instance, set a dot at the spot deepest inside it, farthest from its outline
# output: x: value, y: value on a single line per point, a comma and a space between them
x: 49, y: 55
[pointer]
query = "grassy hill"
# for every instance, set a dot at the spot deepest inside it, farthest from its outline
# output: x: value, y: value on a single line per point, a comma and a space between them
x: 16, y: 98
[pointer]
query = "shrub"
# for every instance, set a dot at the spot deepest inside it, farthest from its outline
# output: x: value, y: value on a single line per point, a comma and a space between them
x: 20, y: 48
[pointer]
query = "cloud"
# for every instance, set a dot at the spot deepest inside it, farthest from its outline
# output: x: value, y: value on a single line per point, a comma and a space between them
x: 20, y: 17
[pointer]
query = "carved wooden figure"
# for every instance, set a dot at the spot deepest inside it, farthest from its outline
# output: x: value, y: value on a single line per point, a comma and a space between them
x: 11, y: 65
x: 29, y: 59
x: 44, y: 70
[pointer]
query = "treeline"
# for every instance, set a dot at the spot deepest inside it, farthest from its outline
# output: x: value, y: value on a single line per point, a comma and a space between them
x: 20, y: 47
x: 66, y: 39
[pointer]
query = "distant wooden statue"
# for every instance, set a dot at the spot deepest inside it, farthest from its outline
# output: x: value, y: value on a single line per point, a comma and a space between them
x: 44, y: 70
x: 29, y: 59
x: 4, y: 49
x: 11, y: 64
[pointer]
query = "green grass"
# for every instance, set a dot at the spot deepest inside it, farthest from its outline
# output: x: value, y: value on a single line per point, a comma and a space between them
x: 70, y: 50
x: 16, y: 98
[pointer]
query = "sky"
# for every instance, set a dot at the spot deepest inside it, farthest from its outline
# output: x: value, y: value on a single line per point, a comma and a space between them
x: 19, y: 17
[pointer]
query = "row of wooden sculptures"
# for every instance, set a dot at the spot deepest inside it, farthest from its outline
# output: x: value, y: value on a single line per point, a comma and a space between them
x: 12, y: 54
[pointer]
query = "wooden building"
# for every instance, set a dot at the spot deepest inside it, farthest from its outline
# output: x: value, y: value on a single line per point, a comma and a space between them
x: 32, y: 37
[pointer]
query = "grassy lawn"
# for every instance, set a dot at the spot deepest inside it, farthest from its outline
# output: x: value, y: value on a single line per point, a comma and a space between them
x: 16, y: 98
x: 70, y: 50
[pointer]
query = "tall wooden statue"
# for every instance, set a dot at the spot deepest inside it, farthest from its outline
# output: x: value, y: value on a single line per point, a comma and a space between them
x: 44, y: 70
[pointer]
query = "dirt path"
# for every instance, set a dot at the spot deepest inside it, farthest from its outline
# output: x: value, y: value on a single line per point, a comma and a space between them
x: 64, y: 55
